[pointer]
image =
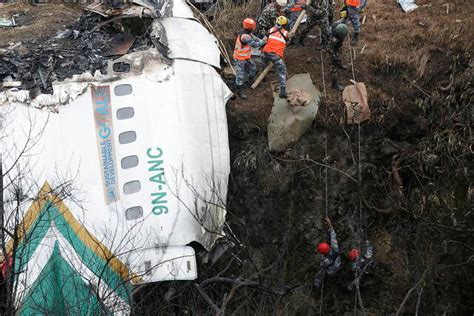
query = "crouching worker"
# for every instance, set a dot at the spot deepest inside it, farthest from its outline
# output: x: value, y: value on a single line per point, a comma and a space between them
x: 274, y: 50
x: 331, y: 260
x: 360, y: 264
x: 338, y: 35
x: 244, y: 65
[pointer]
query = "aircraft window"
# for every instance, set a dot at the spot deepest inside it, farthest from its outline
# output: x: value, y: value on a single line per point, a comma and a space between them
x: 123, y: 89
x: 132, y: 187
x: 129, y: 162
x: 127, y: 137
x: 121, y: 67
x: 134, y: 213
x: 125, y: 113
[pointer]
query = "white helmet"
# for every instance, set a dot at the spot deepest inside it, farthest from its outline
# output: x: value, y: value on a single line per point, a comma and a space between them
x: 282, y: 3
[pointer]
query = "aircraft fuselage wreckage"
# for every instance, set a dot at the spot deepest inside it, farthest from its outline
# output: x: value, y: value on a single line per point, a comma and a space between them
x: 110, y: 179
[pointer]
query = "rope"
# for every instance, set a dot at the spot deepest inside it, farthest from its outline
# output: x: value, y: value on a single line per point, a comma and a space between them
x: 321, y: 301
x: 357, y: 296
x: 326, y: 136
x: 355, y: 303
x: 352, y: 59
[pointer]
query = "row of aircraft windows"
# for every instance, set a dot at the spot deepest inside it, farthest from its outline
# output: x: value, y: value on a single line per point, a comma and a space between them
x: 128, y: 162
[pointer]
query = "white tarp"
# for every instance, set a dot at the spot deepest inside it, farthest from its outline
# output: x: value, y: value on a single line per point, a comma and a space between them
x: 407, y: 5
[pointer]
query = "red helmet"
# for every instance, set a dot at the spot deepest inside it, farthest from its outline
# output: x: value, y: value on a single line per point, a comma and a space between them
x: 249, y: 24
x: 353, y: 254
x: 323, y: 248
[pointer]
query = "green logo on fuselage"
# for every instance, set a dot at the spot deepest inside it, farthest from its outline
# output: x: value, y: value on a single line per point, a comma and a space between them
x: 155, y: 166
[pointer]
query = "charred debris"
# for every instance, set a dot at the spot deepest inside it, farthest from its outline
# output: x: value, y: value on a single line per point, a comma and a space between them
x: 103, y: 33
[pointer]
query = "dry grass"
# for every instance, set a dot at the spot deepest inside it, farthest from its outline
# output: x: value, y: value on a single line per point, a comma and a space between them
x: 47, y: 20
x: 228, y: 17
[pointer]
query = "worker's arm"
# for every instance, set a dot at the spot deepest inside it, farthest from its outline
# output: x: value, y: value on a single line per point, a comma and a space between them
x: 369, y: 250
x: 333, y: 239
x: 252, y: 40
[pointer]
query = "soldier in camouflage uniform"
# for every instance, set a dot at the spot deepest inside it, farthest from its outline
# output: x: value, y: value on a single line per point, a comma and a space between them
x: 331, y: 261
x: 360, y: 265
x: 269, y: 15
x: 317, y: 14
x: 331, y: 7
x: 338, y: 35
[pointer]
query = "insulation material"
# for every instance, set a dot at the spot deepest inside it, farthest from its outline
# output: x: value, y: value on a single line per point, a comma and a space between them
x: 355, y: 100
x: 288, y: 123
x: 407, y: 5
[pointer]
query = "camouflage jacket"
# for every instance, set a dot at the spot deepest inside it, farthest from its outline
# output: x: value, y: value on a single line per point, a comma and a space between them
x: 269, y: 14
x: 331, y: 262
x: 251, y: 40
x: 360, y: 265
x: 318, y: 8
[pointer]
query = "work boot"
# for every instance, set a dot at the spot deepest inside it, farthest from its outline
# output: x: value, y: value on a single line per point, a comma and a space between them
x: 282, y: 93
x: 336, y: 85
x: 355, y: 38
x: 240, y: 92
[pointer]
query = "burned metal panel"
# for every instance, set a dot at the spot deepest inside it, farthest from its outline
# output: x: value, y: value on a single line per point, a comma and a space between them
x: 187, y: 39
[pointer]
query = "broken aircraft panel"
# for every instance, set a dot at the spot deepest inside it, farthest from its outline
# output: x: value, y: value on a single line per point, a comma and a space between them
x: 143, y: 150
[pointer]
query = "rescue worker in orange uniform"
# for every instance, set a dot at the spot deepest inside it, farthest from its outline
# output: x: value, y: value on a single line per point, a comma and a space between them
x: 274, y: 50
x: 245, y: 67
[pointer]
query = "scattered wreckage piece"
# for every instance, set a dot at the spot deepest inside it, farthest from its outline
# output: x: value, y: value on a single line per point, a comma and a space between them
x: 407, y: 5
x: 357, y: 106
x: 17, y: 19
x: 287, y: 122
x: 136, y: 8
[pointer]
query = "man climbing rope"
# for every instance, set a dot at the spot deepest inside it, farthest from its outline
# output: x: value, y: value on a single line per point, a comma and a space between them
x: 353, y: 8
x: 244, y: 65
x: 269, y: 15
x: 317, y: 14
x: 331, y: 260
x: 359, y: 265
x: 338, y: 34
x: 274, y: 50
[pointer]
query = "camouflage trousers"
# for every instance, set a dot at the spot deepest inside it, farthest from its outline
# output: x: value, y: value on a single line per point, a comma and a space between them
x: 353, y: 17
x: 245, y: 70
x: 311, y: 22
x: 281, y: 67
x: 335, y: 60
x: 322, y: 275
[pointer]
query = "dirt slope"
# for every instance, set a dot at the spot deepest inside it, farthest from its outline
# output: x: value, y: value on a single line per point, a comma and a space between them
x: 415, y: 167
